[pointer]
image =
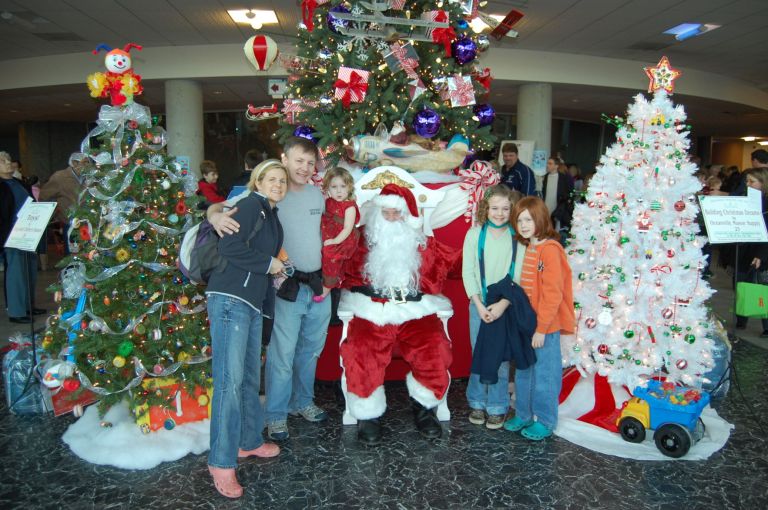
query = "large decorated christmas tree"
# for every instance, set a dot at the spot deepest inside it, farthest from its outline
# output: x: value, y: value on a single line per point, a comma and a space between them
x: 409, y: 66
x: 127, y: 315
x: 635, y: 253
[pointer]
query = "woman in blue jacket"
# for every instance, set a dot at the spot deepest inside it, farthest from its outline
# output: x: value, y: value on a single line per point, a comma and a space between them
x: 240, y: 293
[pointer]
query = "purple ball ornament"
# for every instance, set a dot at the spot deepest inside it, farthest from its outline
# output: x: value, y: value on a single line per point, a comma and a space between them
x: 335, y: 23
x: 485, y: 114
x: 305, y: 131
x: 426, y: 123
x: 464, y: 50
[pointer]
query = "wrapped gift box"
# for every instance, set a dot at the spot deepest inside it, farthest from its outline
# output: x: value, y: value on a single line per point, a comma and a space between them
x: 183, y: 408
x: 351, y: 85
x: 459, y: 90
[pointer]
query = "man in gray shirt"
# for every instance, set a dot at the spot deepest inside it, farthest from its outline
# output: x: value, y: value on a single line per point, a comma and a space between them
x: 300, y: 325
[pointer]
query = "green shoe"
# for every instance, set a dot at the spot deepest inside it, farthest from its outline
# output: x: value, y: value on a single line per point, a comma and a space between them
x: 536, y: 432
x: 516, y: 424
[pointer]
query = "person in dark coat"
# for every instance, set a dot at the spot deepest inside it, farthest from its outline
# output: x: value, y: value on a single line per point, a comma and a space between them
x: 754, y: 256
x: 514, y: 331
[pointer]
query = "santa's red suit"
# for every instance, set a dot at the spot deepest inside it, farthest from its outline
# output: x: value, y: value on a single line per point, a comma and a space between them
x: 380, y: 323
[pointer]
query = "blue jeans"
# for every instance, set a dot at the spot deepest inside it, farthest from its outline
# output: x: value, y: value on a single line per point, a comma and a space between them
x: 237, y: 416
x: 537, y: 389
x: 493, y: 398
x: 298, y: 337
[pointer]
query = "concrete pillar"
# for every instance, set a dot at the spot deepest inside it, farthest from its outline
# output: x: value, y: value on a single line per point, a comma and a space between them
x: 534, y: 115
x: 184, y: 121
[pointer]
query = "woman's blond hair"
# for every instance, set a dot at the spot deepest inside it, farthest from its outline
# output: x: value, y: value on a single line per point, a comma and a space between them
x: 258, y: 173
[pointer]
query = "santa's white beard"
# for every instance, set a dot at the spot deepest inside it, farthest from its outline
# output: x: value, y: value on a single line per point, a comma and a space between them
x: 394, y: 258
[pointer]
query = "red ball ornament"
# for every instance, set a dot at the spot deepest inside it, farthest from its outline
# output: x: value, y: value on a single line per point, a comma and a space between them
x: 181, y: 208
x: 70, y: 384
x: 681, y: 364
x: 591, y: 204
x: 158, y: 369
x: 670, y: 253
x: 602, y: 349
x: 590, y: 322
x: 679, y: 205
x: 667, y: 313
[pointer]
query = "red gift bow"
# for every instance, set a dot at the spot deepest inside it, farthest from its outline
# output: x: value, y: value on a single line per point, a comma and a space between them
x: 444, y: 36
x: 407, y: 63
x: 464, y: 92
x: 484, y: 78
x: 476, y: 179
x: 308, y: 12
x: 356, y: 86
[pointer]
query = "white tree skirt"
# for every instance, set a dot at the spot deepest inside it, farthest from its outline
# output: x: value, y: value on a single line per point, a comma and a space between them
x: 124, y: 446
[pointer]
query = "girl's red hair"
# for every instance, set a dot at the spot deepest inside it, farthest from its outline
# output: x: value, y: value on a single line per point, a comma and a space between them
x: 541, y: 219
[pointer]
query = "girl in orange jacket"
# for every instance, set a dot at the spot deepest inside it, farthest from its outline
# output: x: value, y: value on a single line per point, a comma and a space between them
x: 546, y: 279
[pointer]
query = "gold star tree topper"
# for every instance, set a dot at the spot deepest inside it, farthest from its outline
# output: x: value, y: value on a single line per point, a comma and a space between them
x: 662, y: 76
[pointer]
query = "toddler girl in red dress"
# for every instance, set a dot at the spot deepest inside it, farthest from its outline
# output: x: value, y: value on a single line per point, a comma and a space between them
x: 340, y: 237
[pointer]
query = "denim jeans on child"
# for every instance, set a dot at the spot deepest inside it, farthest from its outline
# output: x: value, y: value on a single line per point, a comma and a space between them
x: 537, y: 389
x: 237, y: 415
x: 493, y: 398
x: 298, y: 337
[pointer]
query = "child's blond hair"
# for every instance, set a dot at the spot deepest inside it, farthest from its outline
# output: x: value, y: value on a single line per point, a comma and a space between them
x: 338, y: 171
x: 499, y: 190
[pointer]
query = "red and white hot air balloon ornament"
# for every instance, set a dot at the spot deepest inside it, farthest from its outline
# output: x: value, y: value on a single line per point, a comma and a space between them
x: 261, y: 51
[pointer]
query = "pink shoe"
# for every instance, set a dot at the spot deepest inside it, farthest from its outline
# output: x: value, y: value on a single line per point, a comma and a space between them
x: 226, y: 482
x: 319, y: 299
x: 264, y: 451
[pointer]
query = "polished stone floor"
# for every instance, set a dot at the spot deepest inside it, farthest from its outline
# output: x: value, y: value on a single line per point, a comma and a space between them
x: 323, y: 466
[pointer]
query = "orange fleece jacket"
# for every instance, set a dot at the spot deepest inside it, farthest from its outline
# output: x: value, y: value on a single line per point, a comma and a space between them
x: 546, y: 279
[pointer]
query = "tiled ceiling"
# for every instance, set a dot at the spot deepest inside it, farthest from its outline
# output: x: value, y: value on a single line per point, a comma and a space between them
x: 606, y: 28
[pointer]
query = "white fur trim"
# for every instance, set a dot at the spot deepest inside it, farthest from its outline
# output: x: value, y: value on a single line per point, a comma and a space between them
x: 367, y: 408
x: 421, y: 393
x: 382, y: 314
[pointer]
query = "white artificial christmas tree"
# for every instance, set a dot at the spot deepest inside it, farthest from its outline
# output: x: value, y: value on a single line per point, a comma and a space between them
x: 636, y: 256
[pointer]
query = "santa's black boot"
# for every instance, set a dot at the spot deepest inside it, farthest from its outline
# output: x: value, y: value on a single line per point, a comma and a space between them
x: 426, y: 422
x: 369, y: 431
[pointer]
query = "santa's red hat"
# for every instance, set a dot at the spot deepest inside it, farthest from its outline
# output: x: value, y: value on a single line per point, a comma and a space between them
x: 397, y: 197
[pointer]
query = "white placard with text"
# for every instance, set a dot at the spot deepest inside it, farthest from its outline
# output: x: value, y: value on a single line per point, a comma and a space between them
x: 30, y: 225
x: 734, y: 219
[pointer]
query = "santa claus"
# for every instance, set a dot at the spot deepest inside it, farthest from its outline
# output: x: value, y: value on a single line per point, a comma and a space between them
x: 393, y: 286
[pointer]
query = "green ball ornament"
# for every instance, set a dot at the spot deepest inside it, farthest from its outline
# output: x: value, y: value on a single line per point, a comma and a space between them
x: 126, y: 348
x: 619, y: 270
x: 637, y: 362
x: 629, y: 334
x: 690, y: 338
x: 622, y: 278
x: 140, y: 329
x: 582, y: 276
x: 624, y: 240
x: 576, y: 348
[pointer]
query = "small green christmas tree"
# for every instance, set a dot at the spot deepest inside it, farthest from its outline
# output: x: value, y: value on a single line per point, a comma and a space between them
x: 126, y: 310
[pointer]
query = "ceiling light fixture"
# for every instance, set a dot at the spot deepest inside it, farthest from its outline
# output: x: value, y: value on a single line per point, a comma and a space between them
x: 763, y: 143
x: 478, y: 25
x: 749, y: 138
x: 253, y: 17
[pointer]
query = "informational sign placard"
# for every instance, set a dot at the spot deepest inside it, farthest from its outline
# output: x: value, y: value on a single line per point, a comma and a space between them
x: 734, y: 219
x: 30, y: 225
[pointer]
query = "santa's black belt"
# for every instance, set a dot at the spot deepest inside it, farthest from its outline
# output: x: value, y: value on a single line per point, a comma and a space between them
x: 368, y: 291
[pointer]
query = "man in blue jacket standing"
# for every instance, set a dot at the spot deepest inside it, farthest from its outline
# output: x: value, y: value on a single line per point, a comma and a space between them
x: 514, y: 173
